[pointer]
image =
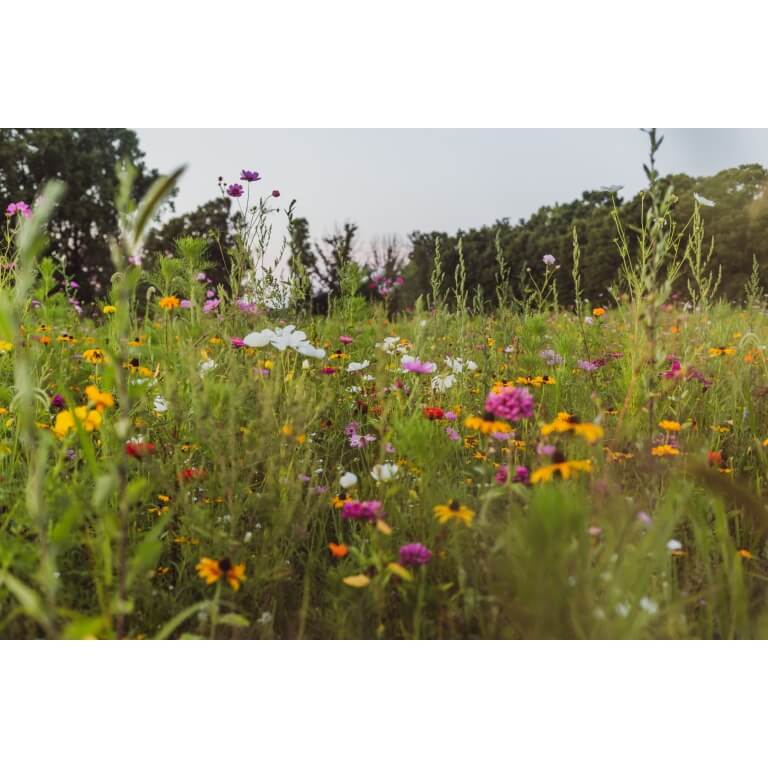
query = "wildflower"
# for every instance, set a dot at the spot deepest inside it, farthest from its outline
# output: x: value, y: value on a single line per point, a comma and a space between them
x: 348, y: 480
x: 57, y: 402
x: 443, y: 383
x: 721, y: 351
x: 235, y: 190
x: 673, y: 545
x: 354, y: 367
x: 502, y: 475
x: 670, y: 426
x: 359, y: 581
x: 138, y: 449
x: 338, y: 550
x: 459, y: 365
x: 338, y: 502
x: 414, y: 365
x: 346, y: 339
x: 510, y: 404
x: 169, y: 303
x: 548, y: 259
x: 160, y: 404
x: 275, y: 193
x: 648, y: 605
x: 590, y: 366
x: 108, y: 309
x: 487, y: 424
x: 384, y: 472
x: 192, y: 473
x: 453, y: 510
x: 745, y: 554
x: 531, y: 381
x: 567, y: 423
x: 20, y: 208
x: 101, y: 400
x: 249, y: 176
x: 94, y: 356
x: 211, y: 571
x: 210, y: 305
x: 433, y: 414
x: 414, y: 554
x: 361, y: 510
x: 598, y: 312
x: 560, y: 466
x: 282, y: 339
x: 550, y: 357
x: 617, y: 456
x: 665, y: 450
x: 452, y: 433
x: 67, y: 420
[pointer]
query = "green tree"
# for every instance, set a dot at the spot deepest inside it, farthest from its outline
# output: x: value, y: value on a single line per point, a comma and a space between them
x: 86, y: 159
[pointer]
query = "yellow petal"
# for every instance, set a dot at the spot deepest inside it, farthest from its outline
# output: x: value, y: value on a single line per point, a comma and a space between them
x: 382, y: 527
x: 359, y: 581
x: 398, y: 570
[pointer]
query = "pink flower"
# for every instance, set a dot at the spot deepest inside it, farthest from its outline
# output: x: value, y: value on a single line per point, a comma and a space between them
x: 510, y: 404
x: 452, y: 433
x: 20, y: 208
x: 414, y: 365
x: 211, y: 305
x: 237, y: 343
x: 346, y: 339
x: 361, y: 510
x: 185, y: 304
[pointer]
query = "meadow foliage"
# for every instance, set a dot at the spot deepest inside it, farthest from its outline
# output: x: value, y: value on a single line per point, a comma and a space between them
x: 190, y: 460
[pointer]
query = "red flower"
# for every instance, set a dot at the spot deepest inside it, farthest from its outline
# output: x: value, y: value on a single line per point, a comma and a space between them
x: 140, y: 450
x: 191, y: 473
x: 433, y: 414
x: 328, y: 370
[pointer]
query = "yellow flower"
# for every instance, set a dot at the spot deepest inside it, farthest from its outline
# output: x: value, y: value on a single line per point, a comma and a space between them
x: 535, y: 381
x: 101, y: 400
x: 108, y: 309
x: 65, y: 421
x: 453, y: 510
x: 720, y: 351
x: 211, y: 571
x: 65, y: 338
x: 95, y: 356
x: 5, y: 346
x: 745, y: 554
x: 486, y: 426
x: 563, y: 468
x: 670, y: 426
x: 617, y: 456
x: 598, y: 311
x: 169, y: 302
x: 567, y: 423
x: 665, y: 450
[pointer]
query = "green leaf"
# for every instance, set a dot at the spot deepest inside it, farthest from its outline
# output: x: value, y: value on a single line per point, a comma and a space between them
x: 233, y: 620
x: 148, y: 552
x: 170, y: 627
x: 152, y: 200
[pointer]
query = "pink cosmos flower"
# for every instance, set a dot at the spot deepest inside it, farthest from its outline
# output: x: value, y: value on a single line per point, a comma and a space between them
x: 414, y: 365
x: 20, y: 208
x: 237, y: 343
x: 346, y: 339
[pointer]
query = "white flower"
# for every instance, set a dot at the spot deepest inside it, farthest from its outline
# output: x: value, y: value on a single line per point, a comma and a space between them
x: 458, y: 364
x: 648, y: 605
x: 352, y: 367
x: 622, y: 609
x: 347, y: 480
x: 384, y: 472
x: 206, y: 365
x: 282, y: 339
x: 305, y: 365
x: 443, y: 383
x: 389, y: 344
x: 673, y: 545
x: 161, y: 404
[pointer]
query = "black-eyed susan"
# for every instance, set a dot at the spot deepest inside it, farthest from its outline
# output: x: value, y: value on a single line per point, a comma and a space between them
x: 669, y: 426
x: 618, y: 456
x: 94, y: 356
x: 535, y: 381
x: 665, y: 450
x: 560, y: 467
x: 487, y: 424
x: 211, y: 571
x: 454, y: 510
x: 721, y: 351
x: 100, y: 400
x: 565, y: 422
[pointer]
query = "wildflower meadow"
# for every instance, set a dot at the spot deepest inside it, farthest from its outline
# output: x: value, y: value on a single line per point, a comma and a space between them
x: 182, y: 457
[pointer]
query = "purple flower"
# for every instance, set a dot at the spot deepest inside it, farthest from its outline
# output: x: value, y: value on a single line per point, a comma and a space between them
x: 211, y: 305
x: 185, y: 304
x: 452, y: 433
x: 544, y: 449
x: 502, y: 473
x: 275, y: 193
x: 360, y: 441
x: 550, y: 356
x: 590, y: 366
x: 414, y: 365
x: 450, y: 415
x: 510, y: 404
x: 548, y: 259
x: 249, y: 176
x: 201, y: 277
x: 20, y: 208
x: 250, y: 308
x: 57, y: 402
x: 521, y: 475
x: 414, y: 554
x: 361, y: 510
x: 235, y: 190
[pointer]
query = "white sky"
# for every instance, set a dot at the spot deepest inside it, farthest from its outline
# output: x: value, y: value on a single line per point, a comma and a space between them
x: 396, y: 181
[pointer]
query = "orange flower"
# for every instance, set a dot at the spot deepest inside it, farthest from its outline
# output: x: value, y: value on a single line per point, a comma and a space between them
x: 598, y: 311
x: 338, y: 550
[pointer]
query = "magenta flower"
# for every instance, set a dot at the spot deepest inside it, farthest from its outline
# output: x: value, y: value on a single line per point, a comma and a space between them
x: 211, y: 305
x: 452, y: 433
x: 522, y: 475
x: 414, y: 365
x: 361, y: 510
x: 57, y: 402
x: 235, y: 190
x: 346, y: 339
x: 414, y: 554
x: 275, y: 193
x: 502, y: 475
x: 249, y: 176
x: 510, y: 404
x: 248, y: 307
x: 237, y: 343
x: 18, y: 208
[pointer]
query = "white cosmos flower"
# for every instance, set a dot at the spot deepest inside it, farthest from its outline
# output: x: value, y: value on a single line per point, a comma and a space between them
x: 282, y: 339
x: 206, y: 365
x: 389, y: 344
x: 161, y: 404
x: 352, y: 367
x: 673, y: 545
x: 384, y: 472
x: 347, y: 480
x: 443, y: 383
x: 459, y: 365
